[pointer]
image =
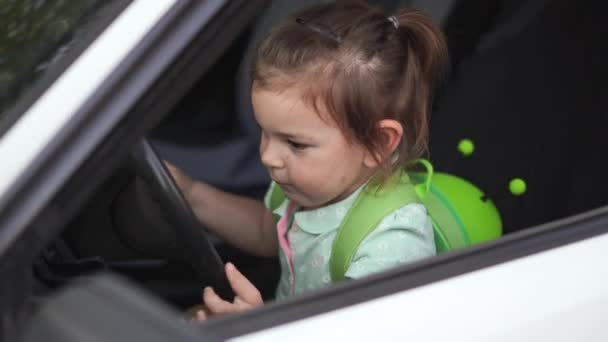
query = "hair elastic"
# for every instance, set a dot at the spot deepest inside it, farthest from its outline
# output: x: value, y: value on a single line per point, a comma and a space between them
x: 394, y: 20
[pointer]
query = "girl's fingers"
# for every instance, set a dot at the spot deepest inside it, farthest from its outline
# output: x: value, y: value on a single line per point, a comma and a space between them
x: 246, y: 294
x: 242, y: 287
x: 241, y: 305
x: 215, y: 304
x: 201, y: 316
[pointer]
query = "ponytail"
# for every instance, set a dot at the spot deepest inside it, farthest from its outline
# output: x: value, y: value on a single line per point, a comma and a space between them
x: 424, y: 65
x: 423, y: 38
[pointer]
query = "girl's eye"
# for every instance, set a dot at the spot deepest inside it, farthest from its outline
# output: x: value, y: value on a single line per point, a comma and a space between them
x: 296, y: 146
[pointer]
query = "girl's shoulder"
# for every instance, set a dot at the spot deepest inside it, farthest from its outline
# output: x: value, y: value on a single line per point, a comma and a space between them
x: 412, y: 217
x: 403, y: 236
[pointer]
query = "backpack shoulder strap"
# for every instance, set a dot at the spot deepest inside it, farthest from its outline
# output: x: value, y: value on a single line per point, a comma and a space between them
x: 276, y: 196
x: 371, y: 206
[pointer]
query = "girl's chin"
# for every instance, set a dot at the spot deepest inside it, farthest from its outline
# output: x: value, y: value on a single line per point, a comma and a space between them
x: 300, y: 201
x: 306, y: 205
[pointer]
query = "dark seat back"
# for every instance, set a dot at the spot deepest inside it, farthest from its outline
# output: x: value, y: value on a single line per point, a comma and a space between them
x: 533, y: 102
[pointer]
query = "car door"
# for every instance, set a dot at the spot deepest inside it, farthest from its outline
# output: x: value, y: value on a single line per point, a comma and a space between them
x: 544, y: 284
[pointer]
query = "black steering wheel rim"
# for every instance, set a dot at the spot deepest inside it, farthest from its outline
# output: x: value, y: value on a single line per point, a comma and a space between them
x: 192, y: 241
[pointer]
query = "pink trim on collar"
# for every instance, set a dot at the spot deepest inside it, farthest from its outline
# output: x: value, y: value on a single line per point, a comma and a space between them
x: 282, y: 227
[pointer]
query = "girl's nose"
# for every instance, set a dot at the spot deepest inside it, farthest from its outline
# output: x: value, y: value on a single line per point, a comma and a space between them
x: 270, y: 155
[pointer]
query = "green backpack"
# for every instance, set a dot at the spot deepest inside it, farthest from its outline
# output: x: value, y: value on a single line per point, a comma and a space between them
x: 459, y: 212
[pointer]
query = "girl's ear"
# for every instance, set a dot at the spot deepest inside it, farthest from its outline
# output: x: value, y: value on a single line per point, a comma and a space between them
x: 391, y: 132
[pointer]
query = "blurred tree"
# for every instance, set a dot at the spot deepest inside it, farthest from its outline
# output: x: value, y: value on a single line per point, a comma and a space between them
x: 33, y: 33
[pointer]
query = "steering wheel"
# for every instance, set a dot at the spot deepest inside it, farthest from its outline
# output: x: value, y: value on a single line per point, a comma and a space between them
x: 192, y: 241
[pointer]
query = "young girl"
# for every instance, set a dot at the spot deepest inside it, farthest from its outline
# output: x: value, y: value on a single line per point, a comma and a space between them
x: 341, y: 93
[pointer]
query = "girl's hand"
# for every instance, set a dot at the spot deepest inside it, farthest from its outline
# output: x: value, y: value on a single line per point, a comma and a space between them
x: 246, y: 297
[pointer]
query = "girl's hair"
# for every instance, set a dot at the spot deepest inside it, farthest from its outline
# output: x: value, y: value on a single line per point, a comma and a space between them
x: 360, y: 66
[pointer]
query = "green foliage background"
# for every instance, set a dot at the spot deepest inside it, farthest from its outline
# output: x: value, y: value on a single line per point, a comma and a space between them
x: 32, y: 32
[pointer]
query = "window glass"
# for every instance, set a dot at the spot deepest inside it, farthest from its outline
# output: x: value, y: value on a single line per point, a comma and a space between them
x: 35, y: 36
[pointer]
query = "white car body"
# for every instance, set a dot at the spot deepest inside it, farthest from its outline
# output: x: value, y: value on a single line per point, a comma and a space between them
x: 554, y: 292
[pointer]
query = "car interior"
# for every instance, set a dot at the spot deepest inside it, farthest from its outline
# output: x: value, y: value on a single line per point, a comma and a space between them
x: 525, y: 88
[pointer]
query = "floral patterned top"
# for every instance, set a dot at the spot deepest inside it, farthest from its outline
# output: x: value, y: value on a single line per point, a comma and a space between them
x: 306, y: 238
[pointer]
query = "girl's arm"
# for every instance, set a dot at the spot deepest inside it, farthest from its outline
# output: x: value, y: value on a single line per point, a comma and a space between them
x: 243, y: 222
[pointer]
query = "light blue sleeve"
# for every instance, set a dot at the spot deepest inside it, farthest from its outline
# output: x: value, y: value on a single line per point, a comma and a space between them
x: 404, y: 236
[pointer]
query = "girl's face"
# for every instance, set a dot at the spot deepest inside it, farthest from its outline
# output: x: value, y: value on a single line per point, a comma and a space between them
x: 307, y: 156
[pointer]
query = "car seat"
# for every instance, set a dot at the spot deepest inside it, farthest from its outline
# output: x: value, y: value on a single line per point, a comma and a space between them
x: 528, y: 90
